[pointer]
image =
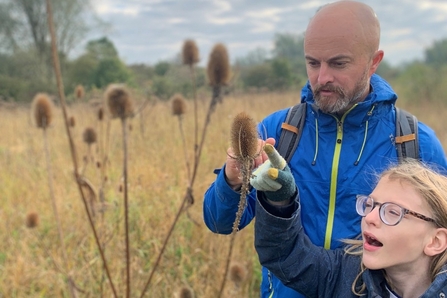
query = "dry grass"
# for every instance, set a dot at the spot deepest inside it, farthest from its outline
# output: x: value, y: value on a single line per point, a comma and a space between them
x: 195, y: 257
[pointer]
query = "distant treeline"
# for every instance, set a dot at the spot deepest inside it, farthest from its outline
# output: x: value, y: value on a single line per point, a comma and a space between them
x: 26, y: 68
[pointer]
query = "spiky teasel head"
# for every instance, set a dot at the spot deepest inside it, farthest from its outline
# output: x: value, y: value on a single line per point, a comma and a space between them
x: 186, y: 292
x: 79, y: 92
x: 42, y: 110
x: 218, y: 69
x: 89, y: 135
x: 244, y: 137
x: 32, y: 219
x: 238, y: 273
x: 119, y: 101
x: 71, y: 121
x: 100, y: 114
x: 178, y: 104
x: 190, y: 52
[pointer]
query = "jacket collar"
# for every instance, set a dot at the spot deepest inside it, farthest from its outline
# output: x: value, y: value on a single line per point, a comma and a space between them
x: 376, y: 284
x: 381, y: 91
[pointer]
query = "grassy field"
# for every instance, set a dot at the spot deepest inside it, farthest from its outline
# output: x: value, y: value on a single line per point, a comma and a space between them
x: 31, y: 264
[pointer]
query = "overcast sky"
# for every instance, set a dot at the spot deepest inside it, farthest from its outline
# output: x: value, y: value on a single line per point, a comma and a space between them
x: 148, y: 31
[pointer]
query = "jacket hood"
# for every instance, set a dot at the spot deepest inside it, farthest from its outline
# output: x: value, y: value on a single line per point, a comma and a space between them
x: 382, y: 91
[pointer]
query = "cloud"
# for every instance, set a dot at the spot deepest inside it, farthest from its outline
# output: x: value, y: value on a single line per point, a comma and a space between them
x: 147, y: 31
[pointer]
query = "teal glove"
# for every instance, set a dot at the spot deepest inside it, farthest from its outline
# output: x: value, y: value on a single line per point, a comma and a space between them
x: 274, y: 177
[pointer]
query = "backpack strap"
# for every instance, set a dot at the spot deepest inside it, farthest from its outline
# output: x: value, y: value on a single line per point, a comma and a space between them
x: 407, y: 141
x: 291, y: 131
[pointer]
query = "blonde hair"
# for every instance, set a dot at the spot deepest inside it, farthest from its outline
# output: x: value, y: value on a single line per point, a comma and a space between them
x: 432, y: 187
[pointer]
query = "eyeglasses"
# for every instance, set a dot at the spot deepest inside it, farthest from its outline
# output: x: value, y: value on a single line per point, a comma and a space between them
x: 390, y: 214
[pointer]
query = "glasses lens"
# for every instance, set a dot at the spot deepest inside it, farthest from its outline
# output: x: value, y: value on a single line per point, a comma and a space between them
x: 391, y: 214
x: 364, y: 205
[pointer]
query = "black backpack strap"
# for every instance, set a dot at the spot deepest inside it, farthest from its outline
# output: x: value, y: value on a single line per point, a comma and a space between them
x: 291, y: 131
x: 407, y: 141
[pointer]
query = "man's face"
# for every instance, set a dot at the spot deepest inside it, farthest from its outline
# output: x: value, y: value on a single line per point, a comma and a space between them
x: 338, y: 68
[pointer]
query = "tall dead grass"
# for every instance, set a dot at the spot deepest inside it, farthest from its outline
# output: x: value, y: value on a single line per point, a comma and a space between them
x: 194, y: 257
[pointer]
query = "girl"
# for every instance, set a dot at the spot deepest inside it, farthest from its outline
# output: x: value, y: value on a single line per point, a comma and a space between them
x: 401, y: 253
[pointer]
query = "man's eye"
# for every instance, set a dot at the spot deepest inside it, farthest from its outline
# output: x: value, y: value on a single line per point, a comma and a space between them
x: 339, y: 64
x: 313, y: 63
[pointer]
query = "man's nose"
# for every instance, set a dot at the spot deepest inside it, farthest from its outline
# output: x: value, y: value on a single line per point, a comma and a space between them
x: 325, y: 75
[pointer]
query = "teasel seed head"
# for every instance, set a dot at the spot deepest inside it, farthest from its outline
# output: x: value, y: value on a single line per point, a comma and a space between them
x: 238, y: 273
x: 98, y: 164
x: 244, y: 136
x: 119, y: 101
x: 32, y: 220
x: 186, y: 292
x: 190, y: 52
x: 89, y: 135
x: 43, y: 110
x: 71, y: 121
x: 80, y: 92
x: 100, y: 114
x: 178, y: 104
x: 218, y: 69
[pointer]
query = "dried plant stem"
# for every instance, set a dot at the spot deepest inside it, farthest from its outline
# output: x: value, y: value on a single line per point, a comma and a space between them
x: 56, y: 215
x: 187, y: 197
x: 246, y: 165
x: 60, y: 86
x: 212, y: 107
x: 182, y: 135
x: 196, y: 118
x: 126, y: 206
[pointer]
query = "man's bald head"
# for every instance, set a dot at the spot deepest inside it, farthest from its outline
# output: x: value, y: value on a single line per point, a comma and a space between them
x: 352, y: 21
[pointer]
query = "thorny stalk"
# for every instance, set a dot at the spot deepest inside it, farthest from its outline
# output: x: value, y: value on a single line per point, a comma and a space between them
x: 60, y: 86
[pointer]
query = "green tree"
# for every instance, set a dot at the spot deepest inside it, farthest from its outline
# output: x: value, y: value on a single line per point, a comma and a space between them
x: 282, y: 73
x: 161, y: 68
x: 436, y: 55
x: 101, y: 49
x: 111, y: 70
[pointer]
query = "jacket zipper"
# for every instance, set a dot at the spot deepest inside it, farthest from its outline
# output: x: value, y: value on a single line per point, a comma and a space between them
x: 334, y: 176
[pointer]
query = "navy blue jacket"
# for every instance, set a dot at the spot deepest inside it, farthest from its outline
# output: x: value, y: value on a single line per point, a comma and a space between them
x: 284, y: 248
x: 336, y: 159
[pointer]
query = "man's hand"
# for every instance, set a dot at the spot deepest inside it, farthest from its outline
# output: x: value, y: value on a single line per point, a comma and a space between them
x: 232, y: 168
x: 274, y: 178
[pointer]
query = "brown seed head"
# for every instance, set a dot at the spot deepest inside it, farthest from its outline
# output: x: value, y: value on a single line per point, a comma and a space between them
x: 79, y: 92
x: 100, y: 114
x: 42, y: 108
x: 178, y: 104
x: 71, y: 121
x: 32, y: 220
x: 119, y: 101
x: 238, y: 273
x: 186, y: 292
x: 218, y: 69
x: 190, y: 52
x: 89, y: 135
x: 244, y: 136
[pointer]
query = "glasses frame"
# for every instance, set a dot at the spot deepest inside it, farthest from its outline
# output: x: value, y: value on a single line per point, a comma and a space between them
x: 404, y: 211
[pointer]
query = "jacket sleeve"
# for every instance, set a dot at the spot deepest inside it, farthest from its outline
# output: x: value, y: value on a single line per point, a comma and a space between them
x: 430, y: 148
x: 220, y: 205
x: 284, y: 249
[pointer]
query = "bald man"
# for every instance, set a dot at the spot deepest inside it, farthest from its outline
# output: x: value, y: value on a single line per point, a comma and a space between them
x: 347, y: 138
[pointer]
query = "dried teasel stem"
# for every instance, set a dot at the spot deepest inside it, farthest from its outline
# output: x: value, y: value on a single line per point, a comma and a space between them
x: 60, y: 85
x: 121, y: 106
x: 178, y: 109
x: 190, y: 57
x: 244, y: 141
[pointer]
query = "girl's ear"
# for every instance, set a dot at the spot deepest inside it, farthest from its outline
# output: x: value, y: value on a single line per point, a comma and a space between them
x: 438, y: 243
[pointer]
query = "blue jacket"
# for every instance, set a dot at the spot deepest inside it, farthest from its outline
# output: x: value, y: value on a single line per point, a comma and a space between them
x: 336, y: 159
x: 285, y: 249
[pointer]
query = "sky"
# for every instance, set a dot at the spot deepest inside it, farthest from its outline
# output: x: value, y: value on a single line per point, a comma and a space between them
x: 149, y: 31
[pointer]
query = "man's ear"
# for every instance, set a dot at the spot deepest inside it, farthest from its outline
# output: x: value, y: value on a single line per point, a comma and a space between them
x: 377, y: 58
x: 438, y: 243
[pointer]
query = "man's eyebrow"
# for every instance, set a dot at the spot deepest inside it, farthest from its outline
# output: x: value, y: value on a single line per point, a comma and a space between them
x: 339, y: 57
